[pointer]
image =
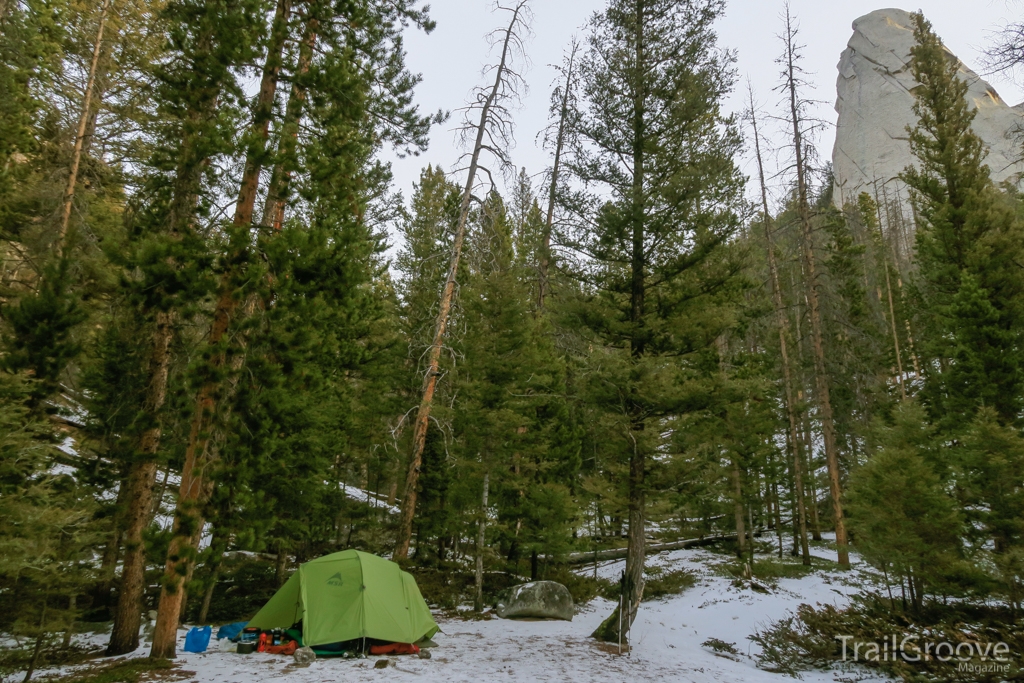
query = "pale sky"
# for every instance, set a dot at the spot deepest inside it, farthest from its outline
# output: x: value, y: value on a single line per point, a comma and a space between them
x: 450, y: 59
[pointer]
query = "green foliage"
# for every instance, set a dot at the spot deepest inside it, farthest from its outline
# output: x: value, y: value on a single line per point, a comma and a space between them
x: 243, y: 587
x: 720, y: 646
x: 47, y: 534
x: 128, y: 671
x: 41, y: 324
x: 772, y: 569
x: 662, y: 584
x: 902, y: 515
x: 814, y: 637
x: 968, y: 245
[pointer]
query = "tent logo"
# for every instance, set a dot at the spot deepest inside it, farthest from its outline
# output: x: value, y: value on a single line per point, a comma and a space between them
x: 335, y: 580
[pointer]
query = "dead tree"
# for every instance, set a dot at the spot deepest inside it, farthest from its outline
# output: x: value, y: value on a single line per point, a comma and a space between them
x: 562, y: 100
x: 492, y: 133
x: 783, y: 327
x: 792, y: 82
x: 80, y: 134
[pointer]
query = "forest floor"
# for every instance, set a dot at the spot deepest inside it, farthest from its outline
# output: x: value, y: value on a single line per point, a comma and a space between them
x: 684, y: 637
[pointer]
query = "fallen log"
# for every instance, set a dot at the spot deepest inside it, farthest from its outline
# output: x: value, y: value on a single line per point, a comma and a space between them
x: 653, y: 549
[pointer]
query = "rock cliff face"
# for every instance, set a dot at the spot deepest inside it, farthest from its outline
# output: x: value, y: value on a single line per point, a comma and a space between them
x: 875, y: 100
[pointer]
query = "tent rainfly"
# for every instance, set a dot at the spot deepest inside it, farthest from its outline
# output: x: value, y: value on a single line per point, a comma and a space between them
x: 349, y: 595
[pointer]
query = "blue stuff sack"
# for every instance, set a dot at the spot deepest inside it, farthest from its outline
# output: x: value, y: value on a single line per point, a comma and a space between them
x: 198, y: 639
x: 231, y: 631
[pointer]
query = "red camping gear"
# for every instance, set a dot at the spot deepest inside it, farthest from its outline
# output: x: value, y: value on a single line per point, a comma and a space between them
x: 288, y: 648
x: 394, y: 649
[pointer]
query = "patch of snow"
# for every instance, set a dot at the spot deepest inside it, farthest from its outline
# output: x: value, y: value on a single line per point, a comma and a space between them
x: 371, y: 499
x: 59, y: 469
x: 68, y: 446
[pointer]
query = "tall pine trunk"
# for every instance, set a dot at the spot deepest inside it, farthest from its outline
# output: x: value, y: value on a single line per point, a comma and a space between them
x: 281, y: 176
x: 80, y: 135
x: 781, y: 323
x: 821, y: 382
x: 195, y: 483
x: 549, y: 220
x: 737, y: 507
x: 481, y: 530
x: 619, y: 623
x: 422, y: 423
x: 111, y: 551
x: 139, y: 483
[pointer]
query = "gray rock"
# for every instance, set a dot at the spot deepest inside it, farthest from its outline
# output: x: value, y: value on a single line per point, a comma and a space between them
x: 874, y: 100
x: 304, y: 656
x: 539, y: 600
x: 423, y: 654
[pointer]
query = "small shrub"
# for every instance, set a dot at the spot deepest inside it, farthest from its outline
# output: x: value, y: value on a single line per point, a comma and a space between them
x: 15, y: 657
x: 814, y: 637
x: 668, y: 583
x: 125, y: 671
x: 720, y: 646
x: 447, y: 587
x: 772, y: 570
x: 582, y: 587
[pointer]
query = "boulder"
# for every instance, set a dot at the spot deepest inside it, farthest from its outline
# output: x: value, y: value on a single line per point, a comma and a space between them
x: 875, y: 100
x: 539, y: 600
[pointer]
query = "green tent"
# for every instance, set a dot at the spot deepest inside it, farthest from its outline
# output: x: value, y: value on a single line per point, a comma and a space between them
x: 349, y: 595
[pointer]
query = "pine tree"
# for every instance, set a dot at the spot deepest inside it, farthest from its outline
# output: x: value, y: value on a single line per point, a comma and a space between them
x: 791, y: 77
x: 197, y: 91
x: 651, y: 86
x: 41, y: 338
x: 968, y: 244
x: 904, y: 518
x: 511, y: 412
x: 48, y: 533
x: 990, y: 482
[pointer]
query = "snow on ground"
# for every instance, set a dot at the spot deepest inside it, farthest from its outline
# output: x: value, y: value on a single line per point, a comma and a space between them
x: 371, y: 499
x: 667, y: 639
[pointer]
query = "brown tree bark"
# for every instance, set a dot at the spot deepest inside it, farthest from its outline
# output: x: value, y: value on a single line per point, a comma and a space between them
x: 545, y: 255
x: 811, y: 490
x: 481, y: 529
x: 83, y: 121
x: 892, y: 309
x: 139, y: 483
x: 281, y: 565
x: 783, y: 328
x: 216, y: 559
x: 422, y: 422
x: 281, y: 176
x: 40, y: 637
x: 195, y: 483
x: 618, y: 625
x: 737, y: 505
x: 820, y: 377
x: 158, y: 498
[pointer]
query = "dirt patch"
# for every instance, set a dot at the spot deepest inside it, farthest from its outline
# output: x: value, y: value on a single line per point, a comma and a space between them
x: 609, y: 648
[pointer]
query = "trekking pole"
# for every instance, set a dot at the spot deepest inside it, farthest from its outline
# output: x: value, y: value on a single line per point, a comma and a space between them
x: 620, y: 622
x: 627, y: 623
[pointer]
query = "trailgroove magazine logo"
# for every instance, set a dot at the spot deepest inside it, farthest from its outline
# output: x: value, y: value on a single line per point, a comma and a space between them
x: 969, y: 656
